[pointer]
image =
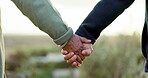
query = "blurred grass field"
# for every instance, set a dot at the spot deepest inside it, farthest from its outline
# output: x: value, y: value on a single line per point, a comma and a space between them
x: 113, y: 57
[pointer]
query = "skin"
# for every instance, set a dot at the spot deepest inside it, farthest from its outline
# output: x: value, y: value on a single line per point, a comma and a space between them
x: 69, y: 55
x: 76, y: 49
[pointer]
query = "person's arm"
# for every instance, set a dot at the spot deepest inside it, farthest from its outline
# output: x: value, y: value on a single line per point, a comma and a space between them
x: 104, y: 13
x: 46, y: 18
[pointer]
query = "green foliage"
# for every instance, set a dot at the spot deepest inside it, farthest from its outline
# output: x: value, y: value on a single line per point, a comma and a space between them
x: 42, y: 73
x: 115, y: 57
x: 16, y: 61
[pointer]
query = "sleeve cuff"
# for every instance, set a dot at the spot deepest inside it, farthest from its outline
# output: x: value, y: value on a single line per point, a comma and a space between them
x: 63, y: 44
x: 64, y: 38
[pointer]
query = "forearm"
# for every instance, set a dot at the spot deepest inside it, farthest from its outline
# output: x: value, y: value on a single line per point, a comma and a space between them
x: 46, y: 18
x: 104, y: 13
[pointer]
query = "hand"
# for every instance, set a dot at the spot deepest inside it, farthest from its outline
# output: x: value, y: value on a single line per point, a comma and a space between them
x: 87, y: 49
x: 73, y: 44
x: 71, y: 57
x: 73, y: 50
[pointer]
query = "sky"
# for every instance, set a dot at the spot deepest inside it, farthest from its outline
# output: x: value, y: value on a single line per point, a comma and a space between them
x: 73, y: 12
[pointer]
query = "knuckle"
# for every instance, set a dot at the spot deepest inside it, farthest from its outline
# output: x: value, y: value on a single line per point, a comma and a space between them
x: 63, y: 53
x: 74, y: 65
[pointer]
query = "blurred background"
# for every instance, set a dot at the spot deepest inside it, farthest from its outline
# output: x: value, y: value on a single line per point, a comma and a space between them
x: 30, y: 53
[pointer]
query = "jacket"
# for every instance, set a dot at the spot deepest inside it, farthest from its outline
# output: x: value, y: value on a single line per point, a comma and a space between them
x: 104, y: 13
x: 45, y: 17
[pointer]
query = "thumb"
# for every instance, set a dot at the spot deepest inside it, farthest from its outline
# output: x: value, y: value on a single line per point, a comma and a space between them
x: 84, y: 40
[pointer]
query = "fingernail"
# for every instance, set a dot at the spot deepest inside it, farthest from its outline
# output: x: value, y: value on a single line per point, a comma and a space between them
x: 75, y: 56
x: 66, y: 52
x: 71, y: 53
x: 83, y: 52
x: 67, y: 61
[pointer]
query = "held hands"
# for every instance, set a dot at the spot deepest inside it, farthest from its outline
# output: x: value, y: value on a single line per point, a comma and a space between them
x: 76, y: 49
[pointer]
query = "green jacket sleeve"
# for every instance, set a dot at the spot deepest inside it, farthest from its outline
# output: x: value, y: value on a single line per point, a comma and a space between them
x: 46, y: 18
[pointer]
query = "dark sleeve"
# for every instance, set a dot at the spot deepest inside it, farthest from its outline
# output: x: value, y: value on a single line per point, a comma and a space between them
x: 145, y: 45
x: 104, y: 13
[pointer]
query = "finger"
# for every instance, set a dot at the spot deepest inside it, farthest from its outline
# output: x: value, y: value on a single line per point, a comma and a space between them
x: 74, y: 64
x: 68, y: 56
x: 79, y: 64
x: 79, y: 59
x: 85, y: 40
x: 86, y: 52
x: 64, y: 52
x: 81, y: 56
x: 72, y: 59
